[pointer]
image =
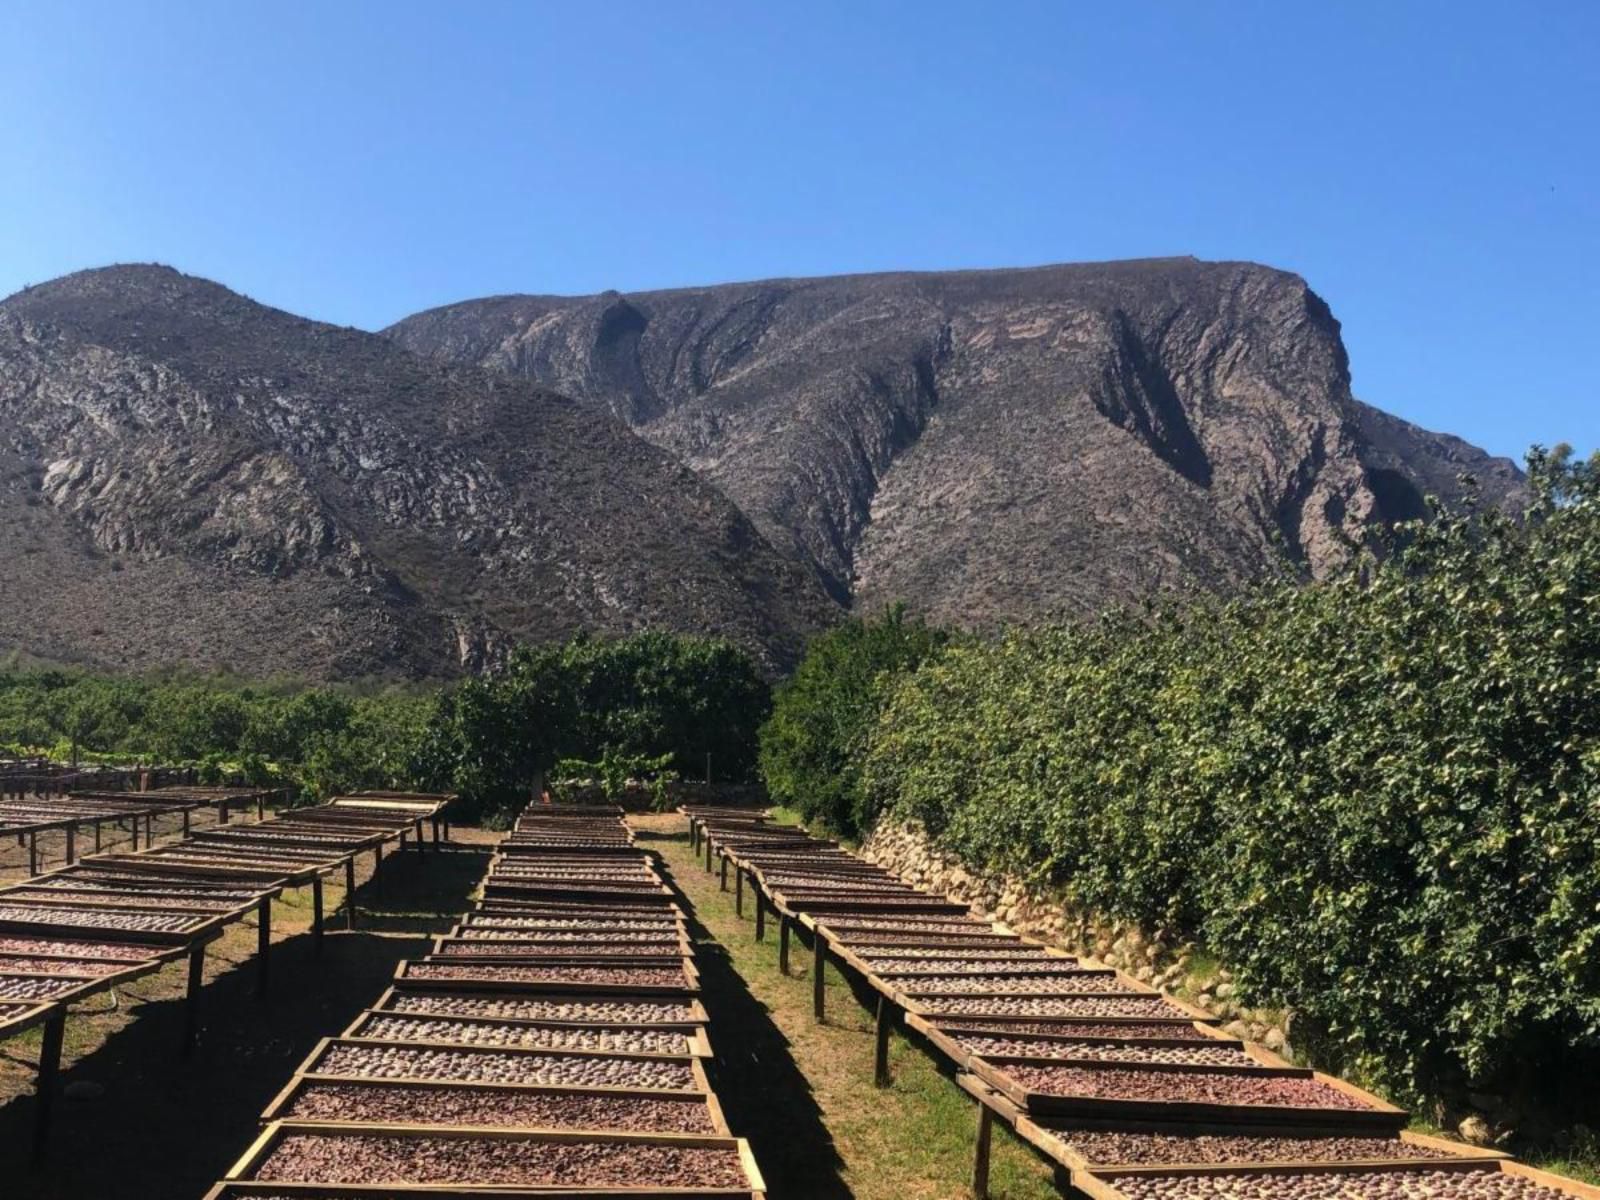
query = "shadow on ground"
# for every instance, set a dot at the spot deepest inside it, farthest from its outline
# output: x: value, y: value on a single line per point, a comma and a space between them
x: 166, y: 1128
x: 763, y: 1093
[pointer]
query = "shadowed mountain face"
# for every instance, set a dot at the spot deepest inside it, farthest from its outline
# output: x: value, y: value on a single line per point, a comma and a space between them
x: 187, y: 477
x: 995, y: 444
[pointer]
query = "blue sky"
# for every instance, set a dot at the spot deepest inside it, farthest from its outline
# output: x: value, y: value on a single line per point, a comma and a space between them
x: 1431, y: 169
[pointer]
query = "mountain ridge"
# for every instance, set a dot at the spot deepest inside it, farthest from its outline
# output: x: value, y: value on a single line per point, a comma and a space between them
x: 1208, y: 405
x: 171, y: 441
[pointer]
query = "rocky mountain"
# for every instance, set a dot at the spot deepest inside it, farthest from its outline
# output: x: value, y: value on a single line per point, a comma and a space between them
x: 995, y: 444
x: 187, y: 477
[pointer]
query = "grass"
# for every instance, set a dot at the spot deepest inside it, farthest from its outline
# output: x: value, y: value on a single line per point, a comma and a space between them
x: 803, y: 1093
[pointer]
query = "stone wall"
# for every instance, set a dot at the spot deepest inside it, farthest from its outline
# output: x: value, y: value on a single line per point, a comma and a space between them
x: 1148, y: 955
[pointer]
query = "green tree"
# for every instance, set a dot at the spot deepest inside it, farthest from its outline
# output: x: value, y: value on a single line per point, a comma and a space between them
x: 811, y: 747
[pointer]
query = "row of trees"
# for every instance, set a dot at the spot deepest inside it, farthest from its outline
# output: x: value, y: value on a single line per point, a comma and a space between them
x: 677, y: 704
x: 1376, y: 798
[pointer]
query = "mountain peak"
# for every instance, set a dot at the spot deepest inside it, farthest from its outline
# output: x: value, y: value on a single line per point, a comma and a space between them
x: 993, y: 443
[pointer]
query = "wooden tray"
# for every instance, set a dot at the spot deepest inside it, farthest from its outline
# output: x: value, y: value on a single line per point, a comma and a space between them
x: 262, y: 1149
x: 1377, y: 1117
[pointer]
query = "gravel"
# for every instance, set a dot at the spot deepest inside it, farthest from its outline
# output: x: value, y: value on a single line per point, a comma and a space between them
x: 519, y: 1008
x: 616, y: 949
x: 121, y: 951
x: 31, y: 987
x: 574, y: 937
x: 1200, y: 1052
x: 1039, y: 968
x: 395, y: 1028
x: 1053, y: 1006
x: 129, y: 900
x: 1414, y: 1184
x: 392, y: 1103
x: 1144, y: 1149
x: 533, y: 973
x: 1197, y: 1087
x: 1012, y: 985
x: 1170, y: 1030
x: 943, y: 955
x: 488, y: 1066
x: 479, y: 925
x: 72, y: 966
x: 96, y: 919
x: 165, y: 885
x: 953, y: 928
x: 311, y: 1158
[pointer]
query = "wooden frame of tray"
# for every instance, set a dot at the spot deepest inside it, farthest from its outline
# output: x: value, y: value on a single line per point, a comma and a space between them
x: 1052, y: 1143
x: 696, y: 1064
x: 18, y: 1016
x: 1376, y: 1115
x: 690, y: 986
x: 693, y: 1031
x: 697, y: 1010
x: 1100, y: 1184
x: 277, y: 1110
x: 675, y: 947
x: 912, y: 1003
x: 948, y: 1042
x: 261, y: 1149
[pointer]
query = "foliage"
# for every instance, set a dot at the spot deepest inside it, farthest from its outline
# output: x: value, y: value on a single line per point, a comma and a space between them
x: 1377, y: 798
x: 679, y: 701
x: 318, y: 741
x: 616, y: 770
x: 811, y: 747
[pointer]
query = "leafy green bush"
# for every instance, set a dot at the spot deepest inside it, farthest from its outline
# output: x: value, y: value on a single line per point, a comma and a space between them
x: 682, y: 701
x: 318, y: 742
x: 1376, y: 798
x: 811, y: 747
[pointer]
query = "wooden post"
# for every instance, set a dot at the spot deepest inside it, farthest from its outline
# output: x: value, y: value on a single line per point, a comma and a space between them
x: 783, y: 944
x: 149, y: 827
x: 261, y: 806
x: 191, y: 1001
x: 376, y: 881
x: 880, y: 1059
x: 738, y: 893
x: 435, y: 833
x: 761, y: 911
x: 350, y: 892
x: 316, y: 915
x: 820, y: 958
x: 97, y: 826
x: 49, y: 1068
x: 222, y: 812
x: 724, y: 872
x: 980, y: 1156
x: 706, y: 838
x: 421, y: 848
x: 263, y: 944
x: 72, y: 844
x: 33, y: 853
x: 186, y: 823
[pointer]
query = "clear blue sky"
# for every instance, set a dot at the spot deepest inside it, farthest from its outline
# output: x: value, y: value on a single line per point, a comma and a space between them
x: 1431, y: 169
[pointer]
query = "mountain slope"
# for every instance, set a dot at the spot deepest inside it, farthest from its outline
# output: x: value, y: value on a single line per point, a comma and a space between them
x: 189, y: 477
x: 995, y: 444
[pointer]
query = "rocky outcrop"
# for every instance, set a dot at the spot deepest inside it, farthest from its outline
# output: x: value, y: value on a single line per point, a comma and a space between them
x: 187, y: 477
x: 996, y: 444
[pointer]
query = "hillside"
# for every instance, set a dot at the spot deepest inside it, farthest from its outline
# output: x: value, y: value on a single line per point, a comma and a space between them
x: 190, y: 478
x: 995, y: 444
